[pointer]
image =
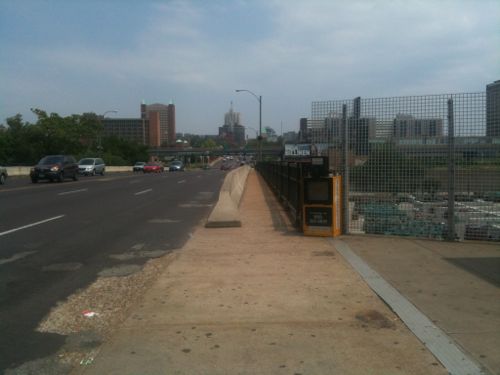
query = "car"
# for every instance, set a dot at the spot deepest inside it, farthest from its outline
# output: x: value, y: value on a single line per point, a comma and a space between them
x: 55, y: 168
x: 91, y: 166
x: 176, y: 166
x: 139, y: 166
x: 153, y: 167
x: 3, y: 175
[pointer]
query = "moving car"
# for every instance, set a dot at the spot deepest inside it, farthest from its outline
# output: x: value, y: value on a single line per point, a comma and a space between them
x: 176, y: 166
x: 139, y: 166
x: 55, y: 167
x: 91, y: 166
x: 153, y: 167
x: 3, y: 175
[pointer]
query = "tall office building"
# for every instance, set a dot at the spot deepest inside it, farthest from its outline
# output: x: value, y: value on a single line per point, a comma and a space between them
x: 493, y: 109
x: 232, y: 130
x: 166, y: 122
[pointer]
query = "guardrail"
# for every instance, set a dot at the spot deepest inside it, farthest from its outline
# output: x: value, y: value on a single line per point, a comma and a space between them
x: 25, y: 171
x: 284, y: 178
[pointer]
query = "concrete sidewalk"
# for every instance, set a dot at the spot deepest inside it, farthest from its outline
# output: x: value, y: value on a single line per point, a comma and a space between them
x: 455, y: 284
x: 261, y: 299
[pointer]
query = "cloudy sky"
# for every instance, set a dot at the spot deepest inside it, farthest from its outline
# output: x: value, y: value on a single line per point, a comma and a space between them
x: 75, y: 56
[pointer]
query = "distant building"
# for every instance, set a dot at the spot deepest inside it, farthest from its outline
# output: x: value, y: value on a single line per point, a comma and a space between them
x: 232, y: 130
x: 166, y: 121
x: 131, y: 129
x: 407, y: 126
x: 290, y: 137
x: 303, y: 133
x: 493, y: 109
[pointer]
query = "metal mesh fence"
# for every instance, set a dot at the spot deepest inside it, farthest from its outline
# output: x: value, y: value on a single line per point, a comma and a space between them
x: 424, y: 166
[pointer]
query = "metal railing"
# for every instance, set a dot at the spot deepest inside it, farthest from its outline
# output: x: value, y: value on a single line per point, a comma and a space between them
x: 284, y: 179
x: 425, y: 166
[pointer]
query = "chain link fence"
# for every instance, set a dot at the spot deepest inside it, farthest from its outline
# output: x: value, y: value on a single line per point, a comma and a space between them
x: 425, y: 166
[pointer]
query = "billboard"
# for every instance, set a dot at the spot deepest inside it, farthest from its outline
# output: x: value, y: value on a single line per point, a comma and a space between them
x: 298, y: 150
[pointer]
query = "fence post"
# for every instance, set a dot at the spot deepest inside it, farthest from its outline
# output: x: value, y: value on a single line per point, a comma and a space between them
x: 451, y: 173
x: 345, y: 172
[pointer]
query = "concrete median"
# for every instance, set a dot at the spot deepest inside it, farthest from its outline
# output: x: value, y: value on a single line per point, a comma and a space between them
x: 226, y: 211
x: 25, y: 171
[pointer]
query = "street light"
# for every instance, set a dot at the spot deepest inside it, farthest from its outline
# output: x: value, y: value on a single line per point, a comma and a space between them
x: 111, y: 111
x: 259, y: 138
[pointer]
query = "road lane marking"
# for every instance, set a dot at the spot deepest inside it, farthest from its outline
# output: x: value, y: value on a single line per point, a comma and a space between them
x: 181, y: 181
x: 31, y: 225
x: 143, y: 192
x: 15, y: 257
x: 73, y: 191
x: 163, y: 221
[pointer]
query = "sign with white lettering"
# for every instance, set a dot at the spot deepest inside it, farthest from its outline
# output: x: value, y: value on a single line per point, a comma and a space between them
x: 298, y: 150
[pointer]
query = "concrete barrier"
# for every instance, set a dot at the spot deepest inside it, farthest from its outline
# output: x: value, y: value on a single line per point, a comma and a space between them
x: 226, y: 213
x: 25, y: 171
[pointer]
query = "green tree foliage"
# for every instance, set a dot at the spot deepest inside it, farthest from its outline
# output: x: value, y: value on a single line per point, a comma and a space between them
x: 387, y: 170
x: 208, y: 143
x: 119, y: 151
x: 79, y: 135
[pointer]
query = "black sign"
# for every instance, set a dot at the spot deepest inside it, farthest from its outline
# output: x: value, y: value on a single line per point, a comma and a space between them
x: 319, y: 216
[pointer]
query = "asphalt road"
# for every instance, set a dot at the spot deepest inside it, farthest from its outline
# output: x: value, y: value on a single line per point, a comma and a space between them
x: 73, y: 227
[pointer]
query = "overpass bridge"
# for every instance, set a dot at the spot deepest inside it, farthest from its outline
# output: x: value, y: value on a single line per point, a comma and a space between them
x: 178, y: 152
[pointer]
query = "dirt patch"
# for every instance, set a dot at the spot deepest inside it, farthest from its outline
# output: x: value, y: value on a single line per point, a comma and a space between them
x: 374, y: 319
x: 138, y: 254
x: 89, y: 316
x: 121, y: 270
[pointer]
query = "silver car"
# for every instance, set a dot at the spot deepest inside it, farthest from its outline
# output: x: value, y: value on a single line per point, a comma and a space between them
x: 176, y: 166
x: 91, y: 166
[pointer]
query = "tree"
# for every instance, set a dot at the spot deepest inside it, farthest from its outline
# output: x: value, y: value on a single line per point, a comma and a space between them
x: 387, y: 170
x: 78, y: 135
x: 208, y: 143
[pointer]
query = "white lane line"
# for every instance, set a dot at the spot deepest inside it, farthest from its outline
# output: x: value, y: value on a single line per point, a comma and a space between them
x: 181, y: 181
x: 143, y: 192
x: 15, y: 257
x: 73, y: 191
x: 31, y: 225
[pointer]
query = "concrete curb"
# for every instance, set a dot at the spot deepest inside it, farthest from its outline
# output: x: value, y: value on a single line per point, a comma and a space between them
x: 25, y: 171
x: 226, y: 213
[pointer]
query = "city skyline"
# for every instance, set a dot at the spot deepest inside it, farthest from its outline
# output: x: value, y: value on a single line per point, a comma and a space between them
x: 72, y: 57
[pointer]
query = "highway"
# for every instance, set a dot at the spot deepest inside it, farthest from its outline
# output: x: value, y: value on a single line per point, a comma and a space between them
x: 56, y: 237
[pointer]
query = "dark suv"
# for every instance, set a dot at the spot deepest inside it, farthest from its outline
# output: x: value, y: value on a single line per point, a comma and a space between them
x: 55, y: 167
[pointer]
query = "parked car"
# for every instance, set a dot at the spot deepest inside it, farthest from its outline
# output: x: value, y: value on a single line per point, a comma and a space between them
x: 176, y: 166
x: 91, y: 166
x: 139, y: 166
x: 153, y: 168
x: 55, y: 167
x: 3, y: 175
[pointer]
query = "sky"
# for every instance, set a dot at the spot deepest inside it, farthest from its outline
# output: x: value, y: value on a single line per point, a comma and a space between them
x: 76, y: 56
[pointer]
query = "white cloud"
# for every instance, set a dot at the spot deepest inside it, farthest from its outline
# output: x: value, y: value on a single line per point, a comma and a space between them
x: 312, y: 50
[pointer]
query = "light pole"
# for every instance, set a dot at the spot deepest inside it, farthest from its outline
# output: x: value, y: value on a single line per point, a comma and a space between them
x: 259, y: 138
x: 99, y: 145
